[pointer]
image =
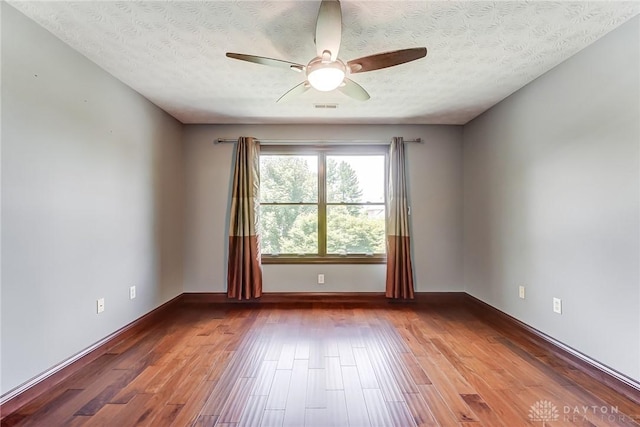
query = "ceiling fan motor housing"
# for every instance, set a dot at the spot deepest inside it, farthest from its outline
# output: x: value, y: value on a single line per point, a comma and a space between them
x: 325, y: 76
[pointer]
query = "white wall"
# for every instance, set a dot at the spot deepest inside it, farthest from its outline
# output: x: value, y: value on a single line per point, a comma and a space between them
x: 92, y: 184
x: 552, y: 201
x: 435, y: 182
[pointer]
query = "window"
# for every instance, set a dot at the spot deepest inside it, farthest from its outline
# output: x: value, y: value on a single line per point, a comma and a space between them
x: 322, y: 204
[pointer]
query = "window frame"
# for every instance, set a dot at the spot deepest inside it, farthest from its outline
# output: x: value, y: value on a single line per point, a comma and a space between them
x: 322, y: 151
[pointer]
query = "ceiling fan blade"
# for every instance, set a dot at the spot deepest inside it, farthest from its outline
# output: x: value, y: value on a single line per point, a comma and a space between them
x: 329, y: 28
x: 295, y: 91
x: 266, y: 61
x: 386, y: 59
x: 354, y: 90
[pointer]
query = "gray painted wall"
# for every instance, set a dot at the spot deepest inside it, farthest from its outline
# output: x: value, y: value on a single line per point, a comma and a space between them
x: 92, y: 186
x: 435, y: 181
x: 551, y: 201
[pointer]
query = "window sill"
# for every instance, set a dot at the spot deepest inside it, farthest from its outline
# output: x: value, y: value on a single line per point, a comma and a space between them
x: 352, y: 259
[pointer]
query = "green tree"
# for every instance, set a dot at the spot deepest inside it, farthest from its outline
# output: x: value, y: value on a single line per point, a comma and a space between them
x: 294, y: 229
x: 303, y: 235
x: 283, y: 179
x: 343, y: 185
x: 349, y: 233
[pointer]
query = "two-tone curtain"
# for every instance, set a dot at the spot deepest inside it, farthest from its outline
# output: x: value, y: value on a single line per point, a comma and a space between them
x: 399, y: 270
x: 244, y: 278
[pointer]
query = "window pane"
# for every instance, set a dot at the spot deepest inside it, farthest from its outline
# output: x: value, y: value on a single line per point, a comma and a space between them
x: 353, y: 179
x: 289, y: 229
x: 288, y: 179
x: 355, y: 230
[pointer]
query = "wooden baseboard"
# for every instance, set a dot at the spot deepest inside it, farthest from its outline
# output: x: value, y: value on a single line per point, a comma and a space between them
x: 20, y: 396
x: 615, y: 380
x: 287, y: 297
x: 439, y: 298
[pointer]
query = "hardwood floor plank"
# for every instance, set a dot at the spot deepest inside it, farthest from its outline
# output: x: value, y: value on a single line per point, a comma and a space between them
x: 316, y: 417
x: 365, y: 369
x: 400, y: 414
x: 253, y: 411
x: 422, y: 415
x: 302, y: 349
x: 13, y: 419
x: 296, y: 399
x: 223, y: 362
x: 94, y: 405
x: 157, y: 404
x: 236, y: 400
x: 482, y: 410
x: 334, y: 374
x: 316, y: 351
x: 413, y: 338
x: 183, y: 391
x: 158, y: 381
x: 448, y: 390
x: 503, y: 402
x: 316, y: 389
x: 376, y: 408
x: 80, y: 380
x: 130, y: 414
x: 287, y: 355
x: 346, y: 352
x: 399, y: 371
x: 384, y: 375
x: 512, y: 406
x: 194, y: 402
x: 439, y: 408
x: 264, y: 378
x: 50, y: 410
x: 206, y: 421
x: 279, y: 390
x: 414, y: 370
x: 337, y: 408
x: 272, y: 418
x: 274, y: 350
x: 356, y: 406
x: 331, y: 344
x: 167, y: 415
x: 137, y: 385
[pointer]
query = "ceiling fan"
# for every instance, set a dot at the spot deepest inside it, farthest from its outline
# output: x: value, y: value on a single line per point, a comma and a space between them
x: 326, y: 71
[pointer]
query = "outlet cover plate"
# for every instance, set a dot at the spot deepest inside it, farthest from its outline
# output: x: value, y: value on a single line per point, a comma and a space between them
x: 321, y: 279
x: 132, y: 292
x: 557, y: 305
x: 521, y: 292
x: 100, y: 305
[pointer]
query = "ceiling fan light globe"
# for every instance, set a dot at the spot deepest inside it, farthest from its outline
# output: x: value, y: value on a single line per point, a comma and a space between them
x: 325, y: 76
x: 326, y: 79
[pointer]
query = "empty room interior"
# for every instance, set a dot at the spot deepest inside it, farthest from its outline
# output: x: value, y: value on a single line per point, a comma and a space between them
x: 320, y: 213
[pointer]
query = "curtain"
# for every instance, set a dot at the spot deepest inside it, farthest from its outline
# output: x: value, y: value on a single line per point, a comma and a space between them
x: 244, y: 279
x: 399, y: 270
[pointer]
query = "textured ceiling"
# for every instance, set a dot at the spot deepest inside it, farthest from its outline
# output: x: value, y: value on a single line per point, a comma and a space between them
x: 173, y: 53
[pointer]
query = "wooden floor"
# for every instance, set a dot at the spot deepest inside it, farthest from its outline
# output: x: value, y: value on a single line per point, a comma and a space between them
x: 326, y: 365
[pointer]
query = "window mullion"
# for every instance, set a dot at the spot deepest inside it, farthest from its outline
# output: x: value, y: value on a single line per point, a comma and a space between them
x: 322, y: 205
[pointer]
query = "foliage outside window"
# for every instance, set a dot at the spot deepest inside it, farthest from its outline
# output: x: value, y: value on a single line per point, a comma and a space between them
x: 322, y: 204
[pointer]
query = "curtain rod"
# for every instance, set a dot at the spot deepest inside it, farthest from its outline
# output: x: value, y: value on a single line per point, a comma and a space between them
x: 314, y: 141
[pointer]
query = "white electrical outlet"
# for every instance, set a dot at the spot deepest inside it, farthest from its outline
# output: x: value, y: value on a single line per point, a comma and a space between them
x: 320, y: 279
x: 557, y: 305
x: 132, y: 292
x: 521, y: 292
x: 100, y: 305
